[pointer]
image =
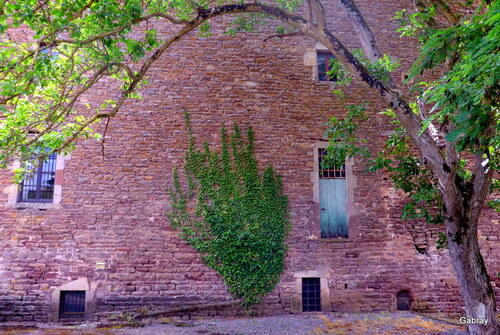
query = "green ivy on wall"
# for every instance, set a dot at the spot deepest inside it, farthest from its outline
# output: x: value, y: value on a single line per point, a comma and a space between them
x: 234, y: 216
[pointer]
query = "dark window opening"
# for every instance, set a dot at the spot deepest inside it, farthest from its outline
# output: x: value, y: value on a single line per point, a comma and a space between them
x: 40, y: 187
x: 72, y: 306
x: 403, y: 300
x: 311, y: 295
x: 324, y: 66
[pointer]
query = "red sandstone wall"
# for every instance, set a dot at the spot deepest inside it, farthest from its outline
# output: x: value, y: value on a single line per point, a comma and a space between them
x: 113, y: 206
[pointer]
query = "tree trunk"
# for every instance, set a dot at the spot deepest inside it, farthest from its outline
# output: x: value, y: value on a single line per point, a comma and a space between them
x: 472, y: 277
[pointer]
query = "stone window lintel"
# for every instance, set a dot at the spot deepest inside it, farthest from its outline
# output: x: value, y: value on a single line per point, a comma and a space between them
x: 323, y: 275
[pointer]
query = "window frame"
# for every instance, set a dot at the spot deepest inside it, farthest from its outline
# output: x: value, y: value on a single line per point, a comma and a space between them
x: 13, y: 190
x: 39, y: 173
x: 351, y: 184
x: 334, y: 174
x: 328, y: 56
x: 311, y: 299
x: 324, y: 276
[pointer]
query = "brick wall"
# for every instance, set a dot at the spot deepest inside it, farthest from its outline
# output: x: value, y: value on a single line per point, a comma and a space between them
x: 112, y: 207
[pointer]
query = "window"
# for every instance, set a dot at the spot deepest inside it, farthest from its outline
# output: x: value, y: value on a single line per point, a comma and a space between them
x: 403, y: 300
x: 72, y: 306
x: 332, y: 198
x: 40, y: 187
x: 324, y: 66
x: 311, y: 295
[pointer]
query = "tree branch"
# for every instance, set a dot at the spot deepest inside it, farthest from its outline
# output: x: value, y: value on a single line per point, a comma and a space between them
x: 120, y: 29
x: 443, y: 8
x: 410, y: 121
x: 362, y: 29
x: 295, y: 33
x: 318, y: 11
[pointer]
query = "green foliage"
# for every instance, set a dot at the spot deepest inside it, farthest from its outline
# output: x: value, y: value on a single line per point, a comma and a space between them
x: 468, y: 95
x: 343, y: 135
x: 495, y: 204
x: 409, y: 174
x: 381, y: 68
x: 420, y: 24
x: 239, y: 223
x: 464, y: 104
x: 406, y: 170
x: 53, y: 52
x: 246, y: 22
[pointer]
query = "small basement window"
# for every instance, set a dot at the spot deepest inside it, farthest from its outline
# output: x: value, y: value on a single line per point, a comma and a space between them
x: 311, y: 295
x: 72, y: 306
x: 403, y: 301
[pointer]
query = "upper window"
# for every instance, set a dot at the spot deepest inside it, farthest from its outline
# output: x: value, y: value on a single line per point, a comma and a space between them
x: 329, y: 171
x: 332, y: 198
x: 40, y: 187
x: 324, y: 66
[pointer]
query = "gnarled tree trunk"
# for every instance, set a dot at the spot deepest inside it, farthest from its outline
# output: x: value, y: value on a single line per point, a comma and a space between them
x: 462, y: 208
x: 472, y: 277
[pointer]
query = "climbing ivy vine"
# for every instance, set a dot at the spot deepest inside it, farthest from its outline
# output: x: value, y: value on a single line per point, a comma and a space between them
x: 233, y: 215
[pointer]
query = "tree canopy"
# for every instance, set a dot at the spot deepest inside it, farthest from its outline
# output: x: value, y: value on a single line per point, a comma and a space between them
x: 55, y: 52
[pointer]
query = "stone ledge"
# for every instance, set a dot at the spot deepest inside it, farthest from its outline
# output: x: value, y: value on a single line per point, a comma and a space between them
x: 334, y: 240
x: 33, y: 205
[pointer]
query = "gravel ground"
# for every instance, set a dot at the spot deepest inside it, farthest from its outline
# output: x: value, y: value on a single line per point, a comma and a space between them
x: 302, y: 324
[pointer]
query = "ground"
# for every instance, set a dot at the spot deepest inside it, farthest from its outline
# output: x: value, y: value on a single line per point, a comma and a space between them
x: 311, y: 324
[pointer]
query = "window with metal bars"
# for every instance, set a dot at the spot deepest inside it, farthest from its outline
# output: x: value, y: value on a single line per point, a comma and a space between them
x: 72, y: 306
x: 403, y: 301
x: 40, y: 187
x: 327, y: 171
x: 324, y: 66
x: 311, y: 295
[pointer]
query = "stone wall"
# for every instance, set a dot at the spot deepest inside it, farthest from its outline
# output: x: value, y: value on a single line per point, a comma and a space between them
x: 112, y: 206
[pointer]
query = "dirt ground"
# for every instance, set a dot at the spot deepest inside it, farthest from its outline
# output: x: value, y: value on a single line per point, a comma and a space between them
x: 304, y: 324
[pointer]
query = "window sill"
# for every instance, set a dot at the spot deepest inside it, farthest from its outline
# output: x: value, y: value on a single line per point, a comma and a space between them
x: 335, y: 240
x: 326, y: 82
x: 33, y: 205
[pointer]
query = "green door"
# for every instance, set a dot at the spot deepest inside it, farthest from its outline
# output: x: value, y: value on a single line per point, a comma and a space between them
x: 333, y: 208
x: 332, y: 198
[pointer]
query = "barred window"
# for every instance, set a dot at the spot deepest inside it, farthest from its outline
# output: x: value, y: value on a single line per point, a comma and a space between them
x: 311, y: 295
x: 40, y: 186
x: 72, y: 306
x: 329, y: 171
